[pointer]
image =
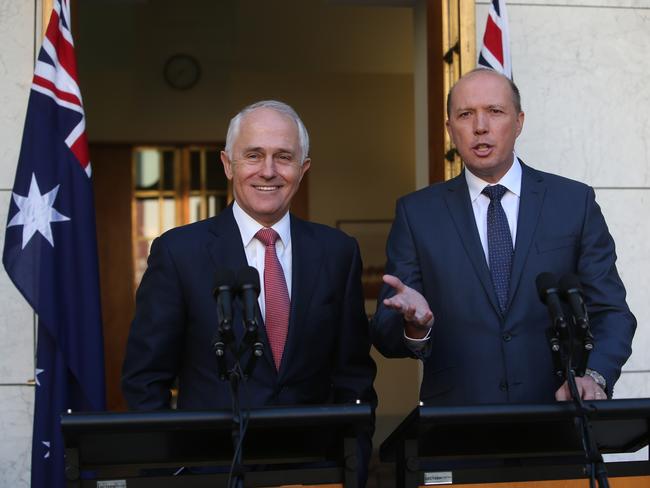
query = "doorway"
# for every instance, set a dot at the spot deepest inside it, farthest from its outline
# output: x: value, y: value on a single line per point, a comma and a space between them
x: 348, y: 68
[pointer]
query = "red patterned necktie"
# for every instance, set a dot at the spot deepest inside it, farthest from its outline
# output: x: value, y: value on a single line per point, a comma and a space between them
x: 276, y: 296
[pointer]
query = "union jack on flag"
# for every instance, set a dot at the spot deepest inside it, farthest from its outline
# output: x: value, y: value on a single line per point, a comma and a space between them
x: 50, y: 249
x: 495, y: 52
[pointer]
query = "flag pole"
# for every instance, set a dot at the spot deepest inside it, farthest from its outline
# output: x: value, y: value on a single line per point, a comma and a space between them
x: 46, y: 12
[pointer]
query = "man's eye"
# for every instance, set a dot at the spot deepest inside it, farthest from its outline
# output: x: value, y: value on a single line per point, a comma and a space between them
x: 253, y: 157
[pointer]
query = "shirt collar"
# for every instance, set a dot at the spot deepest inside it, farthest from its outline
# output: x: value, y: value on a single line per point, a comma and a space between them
x: 248, y: 226
x: 511, y: 180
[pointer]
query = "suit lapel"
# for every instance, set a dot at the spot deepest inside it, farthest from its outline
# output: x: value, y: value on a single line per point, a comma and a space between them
x: 460, y: 208
x: 307, y: 258
x: 530, y: 205
x: 226, y: 248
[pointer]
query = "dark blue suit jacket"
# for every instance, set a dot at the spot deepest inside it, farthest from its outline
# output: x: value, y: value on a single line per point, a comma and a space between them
x: 326, y: 357
x: 476, y: 354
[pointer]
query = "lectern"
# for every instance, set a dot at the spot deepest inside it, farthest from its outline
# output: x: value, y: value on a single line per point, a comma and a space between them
x: 282, y: 445
x: 513, y: 443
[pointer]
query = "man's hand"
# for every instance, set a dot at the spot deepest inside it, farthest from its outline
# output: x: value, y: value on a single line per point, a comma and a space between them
x: 587, y: 388
x: 412, y: 305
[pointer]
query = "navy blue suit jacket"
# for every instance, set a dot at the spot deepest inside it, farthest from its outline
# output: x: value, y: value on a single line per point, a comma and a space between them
x: 476, y: 354
x: 326, y: 357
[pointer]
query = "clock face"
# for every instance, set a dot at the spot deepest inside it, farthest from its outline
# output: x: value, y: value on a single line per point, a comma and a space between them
x: 182, y: 71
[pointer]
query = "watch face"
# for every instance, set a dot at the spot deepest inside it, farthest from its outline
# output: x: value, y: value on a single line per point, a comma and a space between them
x: 182, y: 71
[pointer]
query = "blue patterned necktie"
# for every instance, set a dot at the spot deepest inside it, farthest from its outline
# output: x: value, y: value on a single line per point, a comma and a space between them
x: 499, y: 243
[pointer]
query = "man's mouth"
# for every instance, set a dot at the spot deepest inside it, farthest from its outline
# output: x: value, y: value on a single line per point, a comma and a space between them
x: 267, y: 187
x: 482, y: 149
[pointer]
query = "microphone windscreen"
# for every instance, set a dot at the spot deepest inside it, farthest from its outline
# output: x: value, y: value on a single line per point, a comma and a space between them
x: 248, y: 276
x: 224, y: 277
x: 544, y: 282
x: 570, y: 282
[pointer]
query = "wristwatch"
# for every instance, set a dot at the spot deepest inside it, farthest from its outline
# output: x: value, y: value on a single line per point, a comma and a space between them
x: 598, y: 378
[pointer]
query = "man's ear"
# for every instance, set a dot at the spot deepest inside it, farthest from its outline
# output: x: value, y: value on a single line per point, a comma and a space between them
x: 227, y: 165
x: 449, y: 130
x: 306, y: 164
x: 520, y: 122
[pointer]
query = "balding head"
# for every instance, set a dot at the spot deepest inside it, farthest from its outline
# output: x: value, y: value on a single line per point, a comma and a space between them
x: 516, y: 97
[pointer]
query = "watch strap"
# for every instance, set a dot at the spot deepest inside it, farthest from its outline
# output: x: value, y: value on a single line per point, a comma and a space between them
x: 597, y: 377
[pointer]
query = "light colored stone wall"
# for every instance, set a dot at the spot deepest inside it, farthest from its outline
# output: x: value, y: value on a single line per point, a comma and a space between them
x: 17, y: 20
x: 582, y: 68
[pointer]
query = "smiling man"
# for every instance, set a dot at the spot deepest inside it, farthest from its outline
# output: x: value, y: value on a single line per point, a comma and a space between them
x: 312, y: 319
x: 265, y: 158
x: 463, y: 257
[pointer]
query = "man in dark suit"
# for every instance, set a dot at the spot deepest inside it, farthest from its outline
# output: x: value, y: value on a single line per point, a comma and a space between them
x: 463, y: 257
x: 314, y: 328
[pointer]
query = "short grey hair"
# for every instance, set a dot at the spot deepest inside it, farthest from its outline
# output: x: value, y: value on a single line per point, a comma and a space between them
x: 280, y: 107
x: 516, y: 96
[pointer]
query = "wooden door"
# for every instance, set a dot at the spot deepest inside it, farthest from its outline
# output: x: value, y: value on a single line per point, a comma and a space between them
x: 112, y: 180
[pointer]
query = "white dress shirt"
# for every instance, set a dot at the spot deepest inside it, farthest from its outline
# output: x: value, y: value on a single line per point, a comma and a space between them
x: 510, y: 202
x: 254, y: 249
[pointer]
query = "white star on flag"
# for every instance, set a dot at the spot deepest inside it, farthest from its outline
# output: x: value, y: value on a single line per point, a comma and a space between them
x: 36, y: 212
x: 46, y: 444
x: 38, y: 371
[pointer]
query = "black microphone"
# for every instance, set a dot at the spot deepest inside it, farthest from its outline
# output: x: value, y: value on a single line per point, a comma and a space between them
x: 572, y: 293
x: 558, y: 332
x: 248, y: 284
x: 225, y: 283
x: 549, y: 293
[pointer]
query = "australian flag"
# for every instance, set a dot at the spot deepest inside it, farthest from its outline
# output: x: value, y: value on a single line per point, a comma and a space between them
x: 495, y: 52
x: 50, y: 250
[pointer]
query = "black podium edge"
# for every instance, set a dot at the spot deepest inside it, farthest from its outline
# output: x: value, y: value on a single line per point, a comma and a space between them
x: 75, y: 422
x: 632, y: 408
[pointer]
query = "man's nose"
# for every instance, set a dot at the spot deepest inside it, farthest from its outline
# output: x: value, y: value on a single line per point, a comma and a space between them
x: 481, y: 123
x: 267, y: 169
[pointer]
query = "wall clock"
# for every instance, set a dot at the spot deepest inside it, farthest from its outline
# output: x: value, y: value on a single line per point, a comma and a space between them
x: 182, y: 71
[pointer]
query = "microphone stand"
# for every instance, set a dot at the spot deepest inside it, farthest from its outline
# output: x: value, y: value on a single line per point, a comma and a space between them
x: 225, y: 340
x: 220, y: 343
x: 595, y: 464
x: 251, y: 340
x: 237, y: 431
x: 224, y: 335
x: 236, y: 376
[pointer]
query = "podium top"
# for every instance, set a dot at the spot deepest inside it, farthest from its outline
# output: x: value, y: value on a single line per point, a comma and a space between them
x: 520, y: 430
x: 153, y: 437
x: 161, y: 420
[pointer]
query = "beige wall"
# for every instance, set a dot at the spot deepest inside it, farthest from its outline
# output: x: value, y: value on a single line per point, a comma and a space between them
x: 17, y: 37
x: 583, y: 72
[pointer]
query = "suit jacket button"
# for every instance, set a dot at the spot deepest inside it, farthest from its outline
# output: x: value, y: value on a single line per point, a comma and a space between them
x: 503, y: 386
x: 507, y: 337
